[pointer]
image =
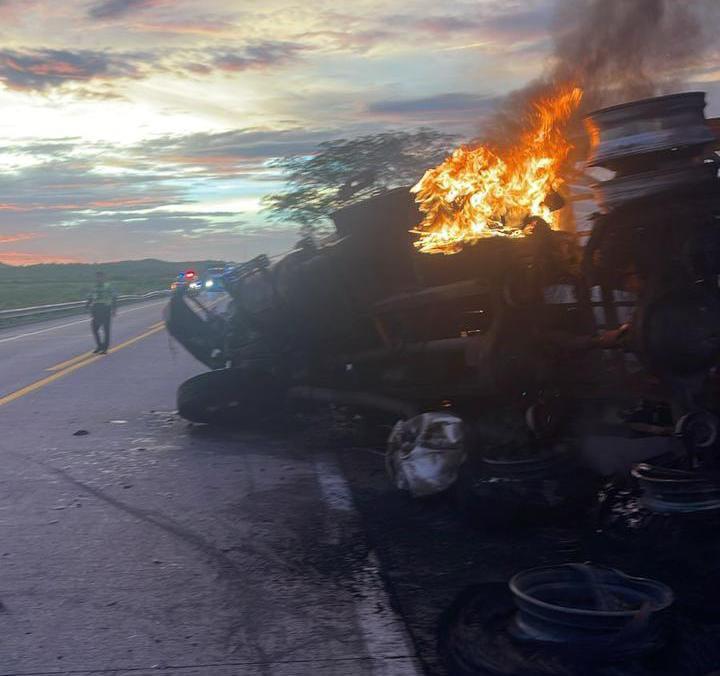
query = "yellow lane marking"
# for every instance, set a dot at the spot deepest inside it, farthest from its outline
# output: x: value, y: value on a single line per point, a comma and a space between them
x: 153, y: 329
x: 70, y: 362
x: 87, y: 355
x: 74, y: 367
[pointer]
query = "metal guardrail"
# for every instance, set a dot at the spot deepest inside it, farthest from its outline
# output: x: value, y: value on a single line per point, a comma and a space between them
x: 19, y: 313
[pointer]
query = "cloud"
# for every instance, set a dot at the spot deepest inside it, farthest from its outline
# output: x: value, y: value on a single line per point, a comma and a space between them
x: 446, y: 25
x: 142, y: 200
x: 258, y: 56
x: 14, y: 11
x: 232, y: 152
x: 42, y: 69
x: 113, y: 9
x: 182, y: 26
x: 494, y: 26
x: 357, y: 41
x: 435, y: 109
x: 528, y: 24
x: 18, y: 237
x: 128, y: 199
x: 93, y: 73
x: 70, y: 190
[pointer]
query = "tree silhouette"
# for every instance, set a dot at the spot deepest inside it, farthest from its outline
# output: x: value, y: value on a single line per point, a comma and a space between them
x: 345, y: 171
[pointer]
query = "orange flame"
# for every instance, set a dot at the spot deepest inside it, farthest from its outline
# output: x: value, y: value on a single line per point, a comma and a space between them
x: 477, y: 193
x: 593, y: 132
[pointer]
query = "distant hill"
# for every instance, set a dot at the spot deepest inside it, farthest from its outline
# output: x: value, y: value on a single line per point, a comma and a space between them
x: 27, y: 285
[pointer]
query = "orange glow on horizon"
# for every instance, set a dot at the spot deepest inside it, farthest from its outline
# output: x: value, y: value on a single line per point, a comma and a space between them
x: 18, y: 237
x: 23, y: 258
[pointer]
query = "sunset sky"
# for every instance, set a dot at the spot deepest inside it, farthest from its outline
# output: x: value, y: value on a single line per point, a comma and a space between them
x: 143, y: 128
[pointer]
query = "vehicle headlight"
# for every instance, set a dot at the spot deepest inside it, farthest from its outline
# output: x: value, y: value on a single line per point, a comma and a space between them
x: 209, y: 283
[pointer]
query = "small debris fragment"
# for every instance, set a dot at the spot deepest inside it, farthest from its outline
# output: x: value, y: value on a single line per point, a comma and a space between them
x: 127, y: 485
x: 81, y: 433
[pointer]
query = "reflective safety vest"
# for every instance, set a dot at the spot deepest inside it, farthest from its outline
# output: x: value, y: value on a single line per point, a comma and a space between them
x: 102, y: 295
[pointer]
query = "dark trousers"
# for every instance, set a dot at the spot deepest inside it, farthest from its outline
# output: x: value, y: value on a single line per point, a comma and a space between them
x: 101, y: 315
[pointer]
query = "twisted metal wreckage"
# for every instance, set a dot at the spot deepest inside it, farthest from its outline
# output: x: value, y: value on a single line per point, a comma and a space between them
x: 503, y: 329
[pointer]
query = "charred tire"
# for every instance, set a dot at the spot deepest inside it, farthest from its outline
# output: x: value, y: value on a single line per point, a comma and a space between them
x: 228, y: 396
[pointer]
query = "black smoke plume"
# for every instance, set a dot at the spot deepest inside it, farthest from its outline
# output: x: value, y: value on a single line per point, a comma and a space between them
x: 617, y: 50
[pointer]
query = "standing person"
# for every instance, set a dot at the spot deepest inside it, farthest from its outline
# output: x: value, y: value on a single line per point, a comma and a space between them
x: 103, y: 305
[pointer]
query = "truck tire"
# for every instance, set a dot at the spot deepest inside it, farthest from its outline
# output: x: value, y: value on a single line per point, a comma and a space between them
x: 228, y: 396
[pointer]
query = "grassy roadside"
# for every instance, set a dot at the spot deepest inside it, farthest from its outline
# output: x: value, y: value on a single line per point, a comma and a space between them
x: 24, y: 286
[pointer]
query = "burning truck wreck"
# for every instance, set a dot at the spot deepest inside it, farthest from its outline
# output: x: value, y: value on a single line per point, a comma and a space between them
x: 473, y: 294
x: 545, y: 374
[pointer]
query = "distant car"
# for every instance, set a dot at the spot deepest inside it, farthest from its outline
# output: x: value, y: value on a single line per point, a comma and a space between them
x: 213, y: 279
x: 188, y: 280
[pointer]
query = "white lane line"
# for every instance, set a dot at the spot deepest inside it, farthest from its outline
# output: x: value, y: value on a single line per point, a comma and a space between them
x: 335, y: 490
x: 78, y: 321
x: 383, y: 630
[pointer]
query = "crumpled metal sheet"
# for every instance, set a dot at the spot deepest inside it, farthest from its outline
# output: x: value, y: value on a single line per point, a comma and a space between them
x: 425, y: 452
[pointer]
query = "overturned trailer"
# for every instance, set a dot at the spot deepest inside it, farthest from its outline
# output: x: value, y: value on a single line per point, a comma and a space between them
x: 362, y: 317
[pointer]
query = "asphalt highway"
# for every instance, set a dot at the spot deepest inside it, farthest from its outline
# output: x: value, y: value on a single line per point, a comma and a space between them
x: 132, y: 542
x: 36, y: 351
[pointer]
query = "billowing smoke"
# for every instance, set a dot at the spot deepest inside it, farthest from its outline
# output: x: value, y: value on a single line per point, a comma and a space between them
x: 619, y: 50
